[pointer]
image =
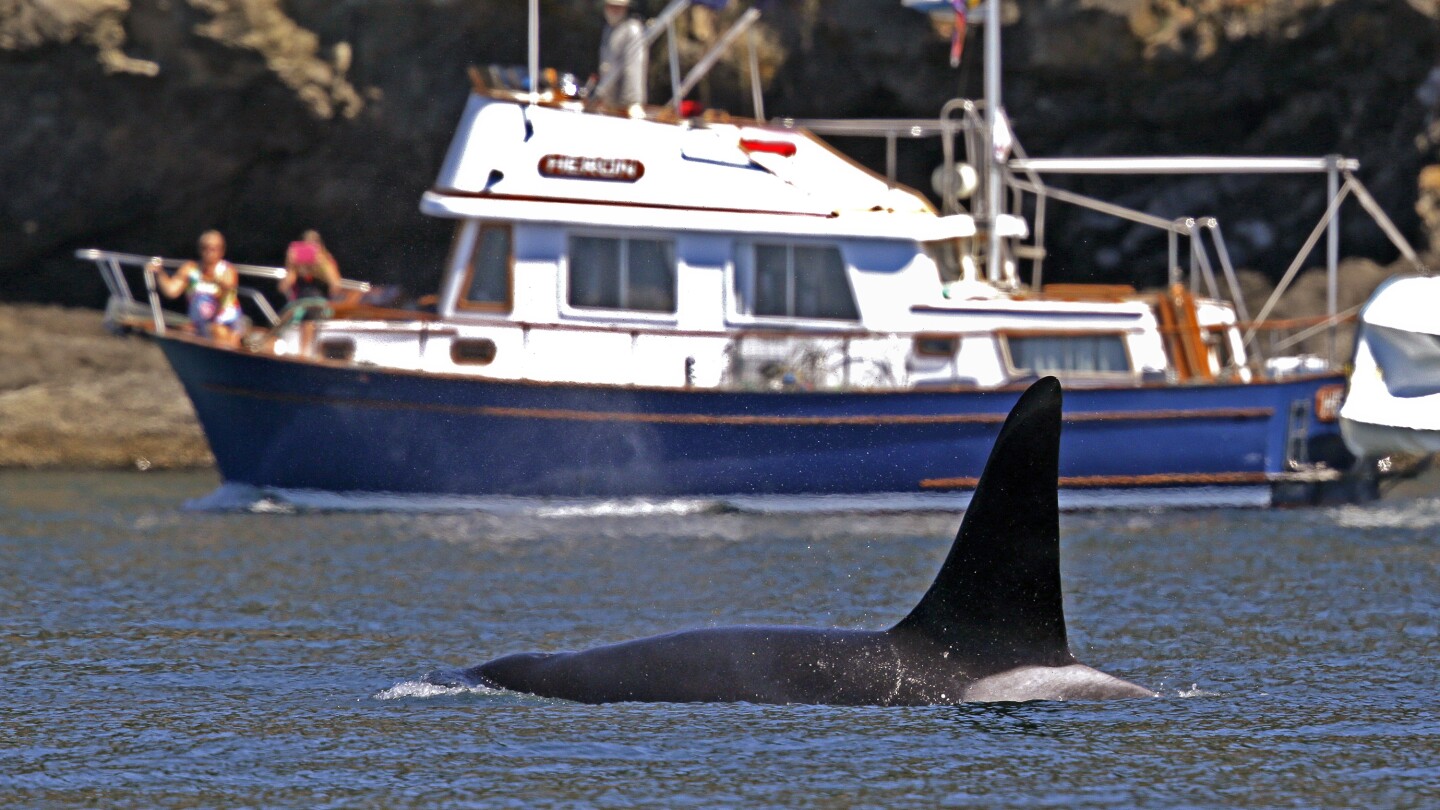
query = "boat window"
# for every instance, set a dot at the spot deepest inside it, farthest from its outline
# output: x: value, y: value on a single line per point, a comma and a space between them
x: 798, y: 281
x: 487, y: 279
x: 1085, y: 353
x: 606, y: 273
x: 931, y: 345
x: 1218, y: 343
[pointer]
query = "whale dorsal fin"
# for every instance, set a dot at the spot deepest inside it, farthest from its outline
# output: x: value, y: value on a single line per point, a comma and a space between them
x: 997, y: 599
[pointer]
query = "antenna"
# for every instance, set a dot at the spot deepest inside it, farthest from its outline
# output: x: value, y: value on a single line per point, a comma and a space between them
x: 534, y: 66
x: 992, y: 123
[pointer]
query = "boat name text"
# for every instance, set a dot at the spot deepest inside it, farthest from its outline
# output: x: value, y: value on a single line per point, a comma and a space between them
x: 624, y: 170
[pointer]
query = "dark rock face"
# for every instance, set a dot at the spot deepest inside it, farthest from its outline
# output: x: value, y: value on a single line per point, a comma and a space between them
x: 264, y: 117
x: 1331, y: 78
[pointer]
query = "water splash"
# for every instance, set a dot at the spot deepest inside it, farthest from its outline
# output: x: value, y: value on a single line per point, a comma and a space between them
x: 631, y: 508
x: 1422, y: 513
x: 233, y: 497
x: 228, y: 497
x: 426, y: 689
x: 1194, y: 692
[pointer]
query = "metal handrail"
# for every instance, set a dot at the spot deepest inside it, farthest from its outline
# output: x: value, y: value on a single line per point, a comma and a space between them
x: 1184, y: 165
x: 874, y: 127
x: 111, y: 264
x: 712, y: 56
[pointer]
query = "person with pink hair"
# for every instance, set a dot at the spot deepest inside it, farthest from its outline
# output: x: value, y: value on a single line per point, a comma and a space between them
x: 312, y: 277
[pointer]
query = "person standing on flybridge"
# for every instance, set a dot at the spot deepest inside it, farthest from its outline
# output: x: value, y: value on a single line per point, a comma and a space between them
x: 621, y: 54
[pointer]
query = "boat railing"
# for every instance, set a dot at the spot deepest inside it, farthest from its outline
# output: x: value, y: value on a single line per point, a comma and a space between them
x: 124, y: 310
x: 1341, y: 184
x: 894, y: 130
x: 548, y: 86
x: 1287, y: 336
x: 1198, y: 255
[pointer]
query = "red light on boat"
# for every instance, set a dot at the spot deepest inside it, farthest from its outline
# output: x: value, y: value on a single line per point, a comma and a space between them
x: 781, y: 148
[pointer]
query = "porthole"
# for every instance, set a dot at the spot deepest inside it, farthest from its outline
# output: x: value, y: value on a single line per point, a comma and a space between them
x: 937, y: 345
x: 342, y: 349
x: 472, y: 351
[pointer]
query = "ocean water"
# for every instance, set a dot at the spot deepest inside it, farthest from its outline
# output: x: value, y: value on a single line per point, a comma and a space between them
x: 153, y: 656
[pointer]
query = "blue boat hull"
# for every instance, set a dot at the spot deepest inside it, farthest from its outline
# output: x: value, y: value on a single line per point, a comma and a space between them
x: 293, y: 424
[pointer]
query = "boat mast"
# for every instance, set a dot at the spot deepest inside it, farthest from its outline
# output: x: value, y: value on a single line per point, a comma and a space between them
x: 993, y: 190
x: 534, y: 65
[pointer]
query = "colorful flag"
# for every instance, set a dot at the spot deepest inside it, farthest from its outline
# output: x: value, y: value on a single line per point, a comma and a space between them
x: 962, y: 23
x: 957, y: 38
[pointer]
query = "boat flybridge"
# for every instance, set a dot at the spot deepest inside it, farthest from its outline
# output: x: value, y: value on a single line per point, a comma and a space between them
x: 669, y: 302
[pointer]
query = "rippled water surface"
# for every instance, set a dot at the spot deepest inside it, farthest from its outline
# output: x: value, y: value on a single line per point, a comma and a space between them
x: 156, y: 657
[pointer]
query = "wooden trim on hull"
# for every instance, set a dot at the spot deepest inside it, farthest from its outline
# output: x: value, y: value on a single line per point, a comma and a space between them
x: 1125, y: 481
x: 576, y: 415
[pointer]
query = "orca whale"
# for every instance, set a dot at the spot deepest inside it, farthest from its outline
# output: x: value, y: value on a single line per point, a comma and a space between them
x: 990, y: 628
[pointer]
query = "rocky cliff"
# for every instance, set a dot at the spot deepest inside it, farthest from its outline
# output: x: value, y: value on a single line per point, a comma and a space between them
x: 135, y: 124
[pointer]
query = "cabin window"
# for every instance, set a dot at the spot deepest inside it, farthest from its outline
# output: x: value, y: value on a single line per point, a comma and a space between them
x: 1068, y: 353
x: 1218, y: 343
x: 931, y: 345
x: 488, y: 276
x: 635, y: 274
x: 797, y: 281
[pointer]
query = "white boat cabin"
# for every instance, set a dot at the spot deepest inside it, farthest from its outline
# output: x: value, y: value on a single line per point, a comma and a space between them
x: 610, y: 250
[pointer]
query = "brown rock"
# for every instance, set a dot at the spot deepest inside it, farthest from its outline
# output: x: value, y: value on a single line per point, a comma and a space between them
x: 74, y: 396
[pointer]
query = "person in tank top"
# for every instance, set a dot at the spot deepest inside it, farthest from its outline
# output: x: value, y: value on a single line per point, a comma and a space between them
x: 210, y: 286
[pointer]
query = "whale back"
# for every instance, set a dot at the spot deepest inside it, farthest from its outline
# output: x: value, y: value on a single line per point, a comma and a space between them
x: 997, y: 600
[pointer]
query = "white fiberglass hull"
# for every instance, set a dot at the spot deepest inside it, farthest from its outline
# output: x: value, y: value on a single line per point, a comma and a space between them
x: 1393, y: 402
